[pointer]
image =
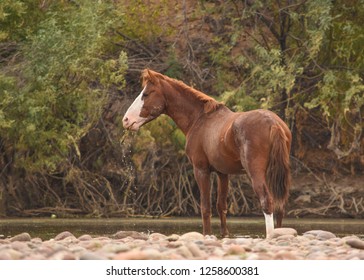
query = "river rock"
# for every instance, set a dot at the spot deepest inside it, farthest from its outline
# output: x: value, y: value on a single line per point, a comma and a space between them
x: 227, y: 241
x: 62, y: 255
x: 355, y: 243
x: 277, y: 232
x: 285, y: 237
x: 34, y: 256
x: 77, y: 249
x: 152, y: 254
x: 85, y: 237
x: 92, y: 244
x: 355, y: 255
x: 132, y: 234
x: 192, y: 236
x: 193, y: 245
x: 195, y: 250
x: 20, y: 246
x: 286, y: 256
x: 131, y: 255
x: 212, y: 243
x: 218, y: 252
x: 63, y: 235
x: 244, y: 241
x: 157, y: 237
x: 37, y: 240
x: 115, y: 248
x: 175, y: 244
x: 10, y: 254
x: 320, y: 234
x: 21, y: 237
x: 4, y: 255
x: 70, y: 239
x: 184, y: 252
x: 210, y: 237
x: 235, y: 249
x: 173, y: 237
x: 260, y: 256
x: 91, y: 256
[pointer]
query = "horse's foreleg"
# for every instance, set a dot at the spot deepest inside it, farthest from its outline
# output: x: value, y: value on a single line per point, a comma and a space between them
x: 203, y: 181
x: 222, y: 191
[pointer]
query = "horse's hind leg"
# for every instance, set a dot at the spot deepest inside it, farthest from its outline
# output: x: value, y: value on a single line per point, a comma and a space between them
x: 255, y: 167
x: 266, y: 201
x: 222, y: 191
x: 279, y: 216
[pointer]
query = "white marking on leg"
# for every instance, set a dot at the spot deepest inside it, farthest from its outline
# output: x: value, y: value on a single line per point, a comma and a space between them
x: 269, y: 224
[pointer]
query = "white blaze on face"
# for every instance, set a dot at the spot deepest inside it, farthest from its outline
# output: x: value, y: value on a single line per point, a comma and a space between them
x: 132, y: 119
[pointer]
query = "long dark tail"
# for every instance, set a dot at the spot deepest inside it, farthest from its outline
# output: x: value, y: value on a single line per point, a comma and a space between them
x: 278, y: 174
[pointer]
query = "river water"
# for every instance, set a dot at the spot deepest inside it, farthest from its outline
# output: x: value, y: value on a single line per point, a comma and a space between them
x: 47, y: 228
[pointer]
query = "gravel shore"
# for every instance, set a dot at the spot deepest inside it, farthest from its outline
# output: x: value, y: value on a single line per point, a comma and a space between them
x: 132, y: 245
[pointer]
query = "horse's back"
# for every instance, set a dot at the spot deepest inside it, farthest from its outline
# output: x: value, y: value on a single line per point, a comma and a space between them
x: 256, y: 125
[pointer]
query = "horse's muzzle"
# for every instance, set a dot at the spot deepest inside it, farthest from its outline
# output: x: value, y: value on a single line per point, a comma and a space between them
x: 130, y: 125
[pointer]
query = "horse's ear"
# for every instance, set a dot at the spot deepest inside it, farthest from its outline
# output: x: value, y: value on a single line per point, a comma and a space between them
x: 148, y: 76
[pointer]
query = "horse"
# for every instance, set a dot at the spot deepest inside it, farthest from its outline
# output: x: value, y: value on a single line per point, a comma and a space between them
x: 219, y: 140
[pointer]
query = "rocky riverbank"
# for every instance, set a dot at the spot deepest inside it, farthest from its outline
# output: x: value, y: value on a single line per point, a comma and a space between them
x: 126, y: 245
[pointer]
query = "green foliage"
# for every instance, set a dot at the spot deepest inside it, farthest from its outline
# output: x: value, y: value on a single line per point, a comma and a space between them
x: 63, y: 81
x: 144, y: 21
x: 284, y: 41
x: 270, y: 77
x: 339, y: 93
x: 238, y: 100
x: 167, y: 134
x: 6, y: 86
x: 175, y: 68
x: 10, y: 16
x: 18, y: 18
x: 221, y: 58
x: 160, y: 134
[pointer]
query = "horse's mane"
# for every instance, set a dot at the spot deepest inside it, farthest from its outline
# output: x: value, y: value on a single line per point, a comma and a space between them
x: 210, y: 104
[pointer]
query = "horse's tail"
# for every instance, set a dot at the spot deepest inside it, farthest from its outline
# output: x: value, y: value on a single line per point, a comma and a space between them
x: 278, y: 173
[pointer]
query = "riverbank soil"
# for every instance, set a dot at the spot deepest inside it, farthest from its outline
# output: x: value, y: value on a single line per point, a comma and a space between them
x: 327, y: 196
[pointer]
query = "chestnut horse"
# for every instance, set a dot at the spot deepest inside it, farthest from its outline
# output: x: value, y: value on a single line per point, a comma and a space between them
x: 219, y: 140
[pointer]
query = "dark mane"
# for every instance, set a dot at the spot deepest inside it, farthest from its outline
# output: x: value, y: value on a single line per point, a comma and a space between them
x: 210, y: 104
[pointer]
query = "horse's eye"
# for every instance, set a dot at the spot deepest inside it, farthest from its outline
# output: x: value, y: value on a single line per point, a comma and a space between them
x: 146, y: 94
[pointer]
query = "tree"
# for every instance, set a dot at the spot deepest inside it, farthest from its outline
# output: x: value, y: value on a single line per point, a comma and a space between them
x: 299, y: 54
x: 55, y: 84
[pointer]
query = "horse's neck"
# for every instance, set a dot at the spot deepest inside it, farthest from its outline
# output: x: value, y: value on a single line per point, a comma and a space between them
x: 182, y: 107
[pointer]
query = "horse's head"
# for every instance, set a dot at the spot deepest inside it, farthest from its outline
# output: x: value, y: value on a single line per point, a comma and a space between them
x: 149, y: 104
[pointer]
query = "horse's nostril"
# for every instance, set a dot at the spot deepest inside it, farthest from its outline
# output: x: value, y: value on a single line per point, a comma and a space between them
x: 125, y: 119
